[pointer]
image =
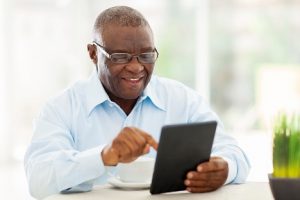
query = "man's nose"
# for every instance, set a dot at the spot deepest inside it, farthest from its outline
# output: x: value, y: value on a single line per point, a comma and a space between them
x: 134, y: 65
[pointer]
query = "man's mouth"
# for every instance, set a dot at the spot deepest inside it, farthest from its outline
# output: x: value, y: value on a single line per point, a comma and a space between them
x: 133, y: 80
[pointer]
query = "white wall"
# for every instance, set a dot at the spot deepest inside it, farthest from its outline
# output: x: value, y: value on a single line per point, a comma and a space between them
x: 5, y: 55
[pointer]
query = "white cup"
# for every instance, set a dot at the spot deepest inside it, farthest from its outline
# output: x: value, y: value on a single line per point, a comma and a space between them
x: 138, y: 171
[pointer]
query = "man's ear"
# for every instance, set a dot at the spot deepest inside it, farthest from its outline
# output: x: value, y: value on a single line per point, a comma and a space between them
x: 92, y: 49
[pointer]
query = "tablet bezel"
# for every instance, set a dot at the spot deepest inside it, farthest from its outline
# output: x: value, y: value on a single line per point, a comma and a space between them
x: 193, y: 142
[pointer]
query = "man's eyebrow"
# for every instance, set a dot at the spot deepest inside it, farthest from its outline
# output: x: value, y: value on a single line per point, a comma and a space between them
x: 142, y: 50
x: 118, y: 50
x: 147, y: 49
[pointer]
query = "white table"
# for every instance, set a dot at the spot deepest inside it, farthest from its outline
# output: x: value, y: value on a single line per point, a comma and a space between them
x: 247, y: 191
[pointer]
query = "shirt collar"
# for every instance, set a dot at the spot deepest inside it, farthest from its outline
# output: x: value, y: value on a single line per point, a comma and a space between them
x: 96, y: 94
x: 151, y: 92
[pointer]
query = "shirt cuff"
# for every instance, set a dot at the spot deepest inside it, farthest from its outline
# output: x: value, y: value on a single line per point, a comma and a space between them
x: 232, y: 170
x: 91, y: 160
x: 84, y: 167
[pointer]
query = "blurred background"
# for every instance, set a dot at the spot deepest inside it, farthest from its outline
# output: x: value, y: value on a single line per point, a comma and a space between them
x: 243, y: 56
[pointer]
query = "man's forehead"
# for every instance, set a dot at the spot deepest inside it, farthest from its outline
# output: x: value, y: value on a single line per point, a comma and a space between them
x: 114, y: 33
x: 108, y: 29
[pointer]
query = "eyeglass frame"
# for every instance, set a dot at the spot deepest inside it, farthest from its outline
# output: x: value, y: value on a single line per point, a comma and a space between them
x: 102, y: 49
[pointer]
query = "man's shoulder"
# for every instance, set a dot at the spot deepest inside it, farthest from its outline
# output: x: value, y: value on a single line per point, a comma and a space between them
x: 70, y: 95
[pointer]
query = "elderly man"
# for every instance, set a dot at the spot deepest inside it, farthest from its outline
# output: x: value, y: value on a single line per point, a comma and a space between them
x: 117, y: 114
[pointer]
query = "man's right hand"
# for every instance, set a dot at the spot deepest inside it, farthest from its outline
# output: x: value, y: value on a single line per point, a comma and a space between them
x: 130, y: 143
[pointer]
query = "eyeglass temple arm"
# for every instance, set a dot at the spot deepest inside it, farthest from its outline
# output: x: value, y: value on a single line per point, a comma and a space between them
x: 102, y: 50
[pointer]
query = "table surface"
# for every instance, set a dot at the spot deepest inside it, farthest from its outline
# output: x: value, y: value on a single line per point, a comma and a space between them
x: 247, y: 191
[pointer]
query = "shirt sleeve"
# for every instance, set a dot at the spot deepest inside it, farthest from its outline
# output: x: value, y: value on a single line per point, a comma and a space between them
x: 53, y: 164
x: 224, y: 145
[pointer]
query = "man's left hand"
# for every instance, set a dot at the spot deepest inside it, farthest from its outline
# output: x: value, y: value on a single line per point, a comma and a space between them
x: 209, y: 176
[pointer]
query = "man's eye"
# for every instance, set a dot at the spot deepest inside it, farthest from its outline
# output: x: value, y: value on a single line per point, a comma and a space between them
x: 117, y: 57
x: 147, y: 56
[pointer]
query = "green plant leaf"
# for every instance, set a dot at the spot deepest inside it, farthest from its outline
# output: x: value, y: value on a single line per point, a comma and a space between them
x: 286, y: 146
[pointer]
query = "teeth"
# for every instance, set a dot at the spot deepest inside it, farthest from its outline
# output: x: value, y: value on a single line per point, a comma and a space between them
x: 134, y: 79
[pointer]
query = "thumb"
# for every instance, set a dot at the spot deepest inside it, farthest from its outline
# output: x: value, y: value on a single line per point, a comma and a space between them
x: 110, y: 156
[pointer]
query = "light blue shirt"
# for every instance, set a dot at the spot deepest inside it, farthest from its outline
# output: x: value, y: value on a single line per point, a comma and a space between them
x: 73, y: 127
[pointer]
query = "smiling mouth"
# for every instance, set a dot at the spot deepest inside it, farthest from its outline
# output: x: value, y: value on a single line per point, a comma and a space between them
x: 134, y: 80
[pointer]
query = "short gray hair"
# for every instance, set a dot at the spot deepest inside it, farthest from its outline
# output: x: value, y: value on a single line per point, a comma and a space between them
x: 119, y: 15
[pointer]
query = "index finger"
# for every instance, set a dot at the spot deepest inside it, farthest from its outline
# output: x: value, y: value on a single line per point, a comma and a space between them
x: 150, y: 140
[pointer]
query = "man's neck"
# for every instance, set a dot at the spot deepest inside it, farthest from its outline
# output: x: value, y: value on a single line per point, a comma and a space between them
x: 126, y: 104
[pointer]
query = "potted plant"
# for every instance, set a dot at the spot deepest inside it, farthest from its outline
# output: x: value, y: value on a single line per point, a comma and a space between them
x: 285, y: 180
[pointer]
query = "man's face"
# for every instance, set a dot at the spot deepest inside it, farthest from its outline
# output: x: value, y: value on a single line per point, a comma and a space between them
x: 125, y: 81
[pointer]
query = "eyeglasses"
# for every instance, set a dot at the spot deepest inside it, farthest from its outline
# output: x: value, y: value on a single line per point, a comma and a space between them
x: 123, y: 58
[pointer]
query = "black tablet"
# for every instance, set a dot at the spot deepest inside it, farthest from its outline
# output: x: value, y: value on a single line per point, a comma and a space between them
x: 181, y: 148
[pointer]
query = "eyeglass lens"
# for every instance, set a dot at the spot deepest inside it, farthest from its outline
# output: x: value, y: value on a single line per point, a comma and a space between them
x: 147, y: 58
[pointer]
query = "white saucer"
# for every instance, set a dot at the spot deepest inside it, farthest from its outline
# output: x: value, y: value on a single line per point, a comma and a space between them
x: 115, y: 181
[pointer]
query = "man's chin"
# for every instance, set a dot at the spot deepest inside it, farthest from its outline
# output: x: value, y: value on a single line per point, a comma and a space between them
x: 131, y: 96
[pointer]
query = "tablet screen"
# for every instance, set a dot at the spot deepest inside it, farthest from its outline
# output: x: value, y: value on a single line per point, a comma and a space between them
x: 182, y: 147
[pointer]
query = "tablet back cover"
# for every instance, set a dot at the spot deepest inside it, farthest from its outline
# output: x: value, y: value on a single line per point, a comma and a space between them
x: 181, y: 148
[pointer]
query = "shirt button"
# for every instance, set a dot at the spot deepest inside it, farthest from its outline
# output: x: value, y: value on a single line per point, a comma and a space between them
x: 110, y: 105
